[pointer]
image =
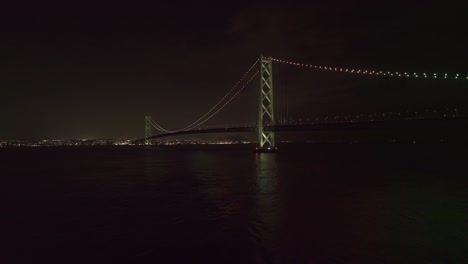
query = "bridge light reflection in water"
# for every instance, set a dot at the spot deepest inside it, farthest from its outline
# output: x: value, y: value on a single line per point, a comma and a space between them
x: 224, y: 204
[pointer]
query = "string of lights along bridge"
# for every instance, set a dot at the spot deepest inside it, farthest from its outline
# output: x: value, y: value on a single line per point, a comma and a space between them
x: 267, y: 124
x: 376, y: 72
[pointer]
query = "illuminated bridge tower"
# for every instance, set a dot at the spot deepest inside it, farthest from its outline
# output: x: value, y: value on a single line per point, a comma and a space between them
x: 266, y: 116
x: 148, y: 133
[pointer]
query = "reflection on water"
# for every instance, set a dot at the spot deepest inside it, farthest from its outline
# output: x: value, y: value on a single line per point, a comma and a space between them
x: 326, y: 204
x: 267, y: 206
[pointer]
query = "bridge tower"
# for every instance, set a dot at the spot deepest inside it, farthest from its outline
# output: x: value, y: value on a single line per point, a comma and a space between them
x: 266, y: 115
x: 148, y: 133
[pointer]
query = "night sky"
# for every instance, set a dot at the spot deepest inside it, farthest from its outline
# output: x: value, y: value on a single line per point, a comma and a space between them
x: 95, y: 71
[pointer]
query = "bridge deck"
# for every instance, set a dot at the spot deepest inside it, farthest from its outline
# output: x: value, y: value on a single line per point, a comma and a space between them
x: 450, y: 123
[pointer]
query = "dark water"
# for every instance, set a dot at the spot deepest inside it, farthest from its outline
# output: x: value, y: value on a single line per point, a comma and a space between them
x: 317, y: 204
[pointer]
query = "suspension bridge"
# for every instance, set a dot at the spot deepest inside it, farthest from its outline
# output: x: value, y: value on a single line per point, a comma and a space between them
x: 268, y: 123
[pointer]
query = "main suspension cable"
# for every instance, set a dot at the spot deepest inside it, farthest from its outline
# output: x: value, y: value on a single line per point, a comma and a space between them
x: 376, y: 72
x: 201, y: 120
x: 227, y: 102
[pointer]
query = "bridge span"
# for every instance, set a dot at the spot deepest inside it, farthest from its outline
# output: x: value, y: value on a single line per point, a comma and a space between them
x: 448, y: 123
x: 271, y: 116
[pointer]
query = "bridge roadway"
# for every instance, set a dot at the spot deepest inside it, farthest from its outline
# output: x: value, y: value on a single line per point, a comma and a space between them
x: 422, y: 123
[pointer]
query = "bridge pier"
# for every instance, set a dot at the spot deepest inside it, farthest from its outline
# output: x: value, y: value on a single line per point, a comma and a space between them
x: 148, y: 133
x: 266, y: 113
